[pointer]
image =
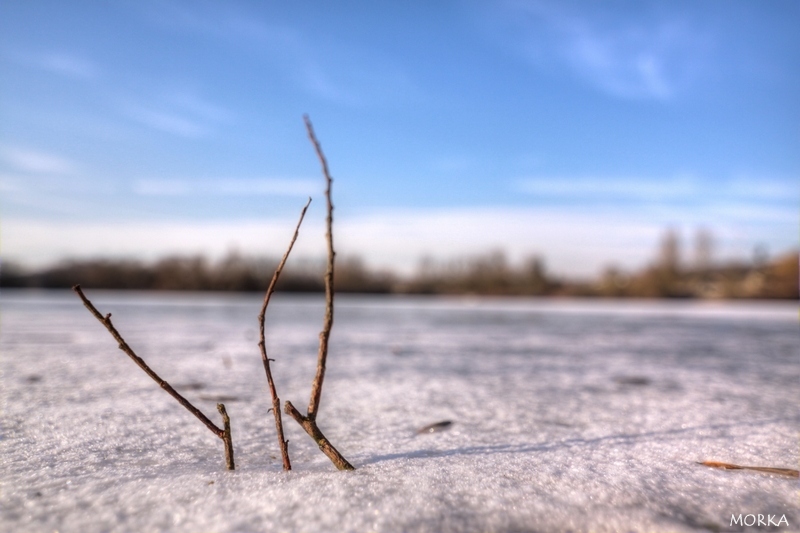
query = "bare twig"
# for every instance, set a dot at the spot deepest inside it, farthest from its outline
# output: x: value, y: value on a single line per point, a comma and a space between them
x: 790, y: 472
x: 223, y: 434
x: 310, y: 425
x: 226, y: 436
x: 324, y: 336
x: 276, y: 402
x: 309, y: 422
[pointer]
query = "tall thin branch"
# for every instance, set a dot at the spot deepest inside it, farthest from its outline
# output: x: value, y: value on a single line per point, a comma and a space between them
x: 309, y: 422
x: 276, y: 402
x: 223, y: 434
x: 325, y: 334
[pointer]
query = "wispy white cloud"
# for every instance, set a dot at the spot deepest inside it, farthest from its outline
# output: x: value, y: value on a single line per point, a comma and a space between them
x: 766, y: 189
x: 178, y: 112
x: 167, y: 121
x: 227, y: 187
x: 620, y: 64
x: 61, y: 63
x: 328, y: 69
x: 191, y: 103
x: 228, y: 22
x: 638, y: 53
x: 598, y: 188
x: 54, y: 196
x: 68, y: 65
x: 360, y: 81
x: 679, y: 189
x: 34, y: 161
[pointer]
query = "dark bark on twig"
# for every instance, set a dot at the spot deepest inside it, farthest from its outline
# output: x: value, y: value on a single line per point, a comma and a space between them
x: 309, y: 422
x: 226, y: 436
x: 310, y: 426
x: 106, y: 321
x: 276, y: 402
x: 324, y: 336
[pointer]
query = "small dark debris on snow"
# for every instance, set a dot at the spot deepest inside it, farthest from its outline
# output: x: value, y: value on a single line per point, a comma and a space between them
x: 638, y: 381
x: 444, y: 425
x: 194, y: 385
x: 218, y: 398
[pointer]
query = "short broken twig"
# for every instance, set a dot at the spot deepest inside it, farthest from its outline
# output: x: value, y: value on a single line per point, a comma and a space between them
x: 790, y: 472
x: 224, y: 434
x: 309, y: 421
x: 276, y: 402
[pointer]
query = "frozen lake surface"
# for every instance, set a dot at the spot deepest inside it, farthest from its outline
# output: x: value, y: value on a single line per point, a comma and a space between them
x: 567, y: 415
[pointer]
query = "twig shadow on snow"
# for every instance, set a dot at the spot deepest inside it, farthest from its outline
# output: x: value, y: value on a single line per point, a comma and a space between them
x: 622, y: 439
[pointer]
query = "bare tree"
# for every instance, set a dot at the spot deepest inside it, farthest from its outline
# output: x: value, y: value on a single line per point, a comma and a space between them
x: 669, y: 259
x: 703, y: 249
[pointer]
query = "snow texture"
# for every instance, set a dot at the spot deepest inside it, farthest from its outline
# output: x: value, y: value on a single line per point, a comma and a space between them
x: 566, y: 415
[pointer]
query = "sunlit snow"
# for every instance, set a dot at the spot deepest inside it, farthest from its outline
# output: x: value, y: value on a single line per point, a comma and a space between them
x: 566, y: 415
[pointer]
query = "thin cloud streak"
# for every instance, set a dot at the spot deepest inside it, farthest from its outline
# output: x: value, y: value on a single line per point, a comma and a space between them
x: 177, y: 112
x: 35, y: 161
x: 69, y: 65
x: 758, y: 193
x: 168, y: 122
x: 227, y: 187
x: 61, y: 63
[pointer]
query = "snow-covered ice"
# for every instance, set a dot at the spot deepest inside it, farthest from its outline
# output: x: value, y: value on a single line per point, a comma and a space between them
x: 567, y: 415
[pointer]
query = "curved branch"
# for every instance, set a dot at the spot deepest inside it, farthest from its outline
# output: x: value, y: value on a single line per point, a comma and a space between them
x: 276, y: 402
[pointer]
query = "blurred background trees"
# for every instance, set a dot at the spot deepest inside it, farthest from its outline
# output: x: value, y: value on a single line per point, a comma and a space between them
x: 670, y: 275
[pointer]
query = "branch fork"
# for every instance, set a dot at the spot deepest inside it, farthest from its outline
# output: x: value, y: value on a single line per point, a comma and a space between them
x: 309, y: 421
x: 223, y: 433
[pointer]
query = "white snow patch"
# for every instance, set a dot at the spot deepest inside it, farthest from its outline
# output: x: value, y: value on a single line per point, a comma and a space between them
x: 567, y: 415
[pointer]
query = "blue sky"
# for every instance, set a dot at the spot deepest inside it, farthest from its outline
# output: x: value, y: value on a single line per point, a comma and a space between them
x: 577, y: 131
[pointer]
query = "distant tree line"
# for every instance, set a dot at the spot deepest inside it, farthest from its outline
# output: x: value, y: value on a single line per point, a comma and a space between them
x: 234, y: 272
x: 670, y: 276
x: 776, y: 279
x: 487, y: 274
x: 666, y: 277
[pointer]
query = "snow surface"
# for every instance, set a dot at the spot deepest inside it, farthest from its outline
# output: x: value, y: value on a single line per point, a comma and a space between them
x: 567, y: 415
